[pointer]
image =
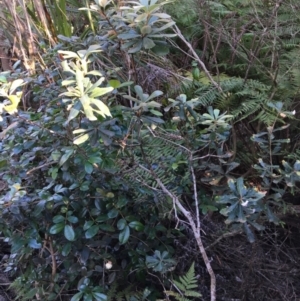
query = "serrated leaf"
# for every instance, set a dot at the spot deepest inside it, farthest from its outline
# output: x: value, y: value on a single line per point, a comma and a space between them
x: 193, y: 294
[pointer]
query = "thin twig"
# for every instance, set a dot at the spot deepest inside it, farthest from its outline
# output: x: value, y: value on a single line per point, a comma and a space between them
x: 196, y: 230
x: 197, y: 58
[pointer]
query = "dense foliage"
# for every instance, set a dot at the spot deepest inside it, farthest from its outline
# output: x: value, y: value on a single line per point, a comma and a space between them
x: 137, y: 134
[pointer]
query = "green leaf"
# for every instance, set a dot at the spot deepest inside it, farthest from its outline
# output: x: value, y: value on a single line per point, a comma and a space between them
x: 88, y: 224
x: 124, y: 235
x: 113, y: 213
x: 127, y: 36
x: 69, y: 233
x: 99, y: 296
x: 242, y: 190
x: 121, y: 224
x: 77, y: 296
x: 155, y: 94
x: 34, y: 244
x: 3, y: 79
x: 249, y: 233
x: 136, y: 47
x: 114, y: 83
x: 146, y: 29
x: 30, y: 294
x: 160, y: 50
x: 87, y: 297
x: 139, y: 91
x: 92, y: 231
x: 66, y: 249
x: 148, y: 43
x: 56, y: 228
x: 72, y: 219
x: 58, y: 219
x: 138, y: 226
x: 88, y: 167
x: 55, y: 155
x: 68, y: 153
x: 106, y: 227
x: 73, y: 113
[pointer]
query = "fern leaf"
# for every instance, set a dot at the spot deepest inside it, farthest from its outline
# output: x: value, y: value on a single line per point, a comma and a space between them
x: 193, y: 294
x: 180, y: 285
x: 185, y: 284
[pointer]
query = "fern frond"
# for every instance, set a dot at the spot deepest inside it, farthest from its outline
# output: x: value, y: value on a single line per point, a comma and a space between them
x: 185, y: 284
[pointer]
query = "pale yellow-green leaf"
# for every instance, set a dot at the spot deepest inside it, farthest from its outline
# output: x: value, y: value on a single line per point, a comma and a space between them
x: 95, y: 72
x: 81, y: 139
x: 94, y: 48
x: 102, y: 3
x: 88, y: 110
x: 68, y: 54
x: 141, y: 17
x: 3, y: 93
x: 79, y: 80
x: 95, y: 85
x: 103, y: 109
x: 68, y: 82
x: 100, y: 91
x: 16, y: 84
x: 79, y: 131
x: 12, y: 108
x: 66, y: 67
